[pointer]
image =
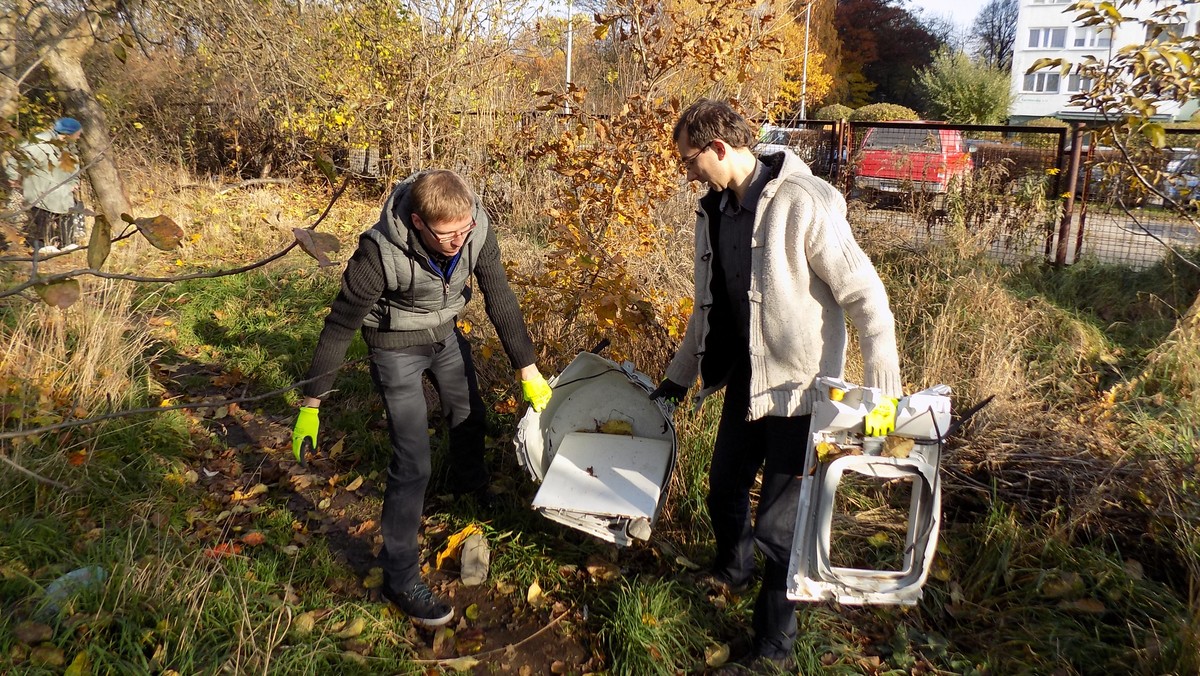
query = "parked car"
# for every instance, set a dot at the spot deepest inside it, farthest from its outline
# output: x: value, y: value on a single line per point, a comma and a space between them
x: 775, y: 139
x: 911, y: 159
x: 1182, y: 183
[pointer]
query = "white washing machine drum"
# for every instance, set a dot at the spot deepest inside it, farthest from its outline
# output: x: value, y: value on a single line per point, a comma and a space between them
x: 602, y: 450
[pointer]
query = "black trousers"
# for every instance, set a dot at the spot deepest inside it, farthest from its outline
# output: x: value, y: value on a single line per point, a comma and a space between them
x: 775, y: 445
x: 397, y: 375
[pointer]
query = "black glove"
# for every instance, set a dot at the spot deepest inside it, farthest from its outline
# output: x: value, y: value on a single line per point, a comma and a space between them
x: 670, y: 391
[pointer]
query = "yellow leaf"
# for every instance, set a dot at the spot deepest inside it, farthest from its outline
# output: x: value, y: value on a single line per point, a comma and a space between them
x: 534, y: 596
x: 354, y: 628
x: 455, y: 543
x: 879, y: 539
x: 355, y: 485
x: 374, y: 578
x: 303, y: 626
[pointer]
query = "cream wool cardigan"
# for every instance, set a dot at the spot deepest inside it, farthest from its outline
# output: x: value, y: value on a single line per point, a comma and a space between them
x: 807, y: 275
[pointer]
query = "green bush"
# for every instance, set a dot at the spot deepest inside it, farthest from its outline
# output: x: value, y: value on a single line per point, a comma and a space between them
x: 1040, y: 140
x: 834, y: 111
x: 884, y: 112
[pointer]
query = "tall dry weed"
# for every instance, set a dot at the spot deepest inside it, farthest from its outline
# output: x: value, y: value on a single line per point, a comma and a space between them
x: 86, y: 358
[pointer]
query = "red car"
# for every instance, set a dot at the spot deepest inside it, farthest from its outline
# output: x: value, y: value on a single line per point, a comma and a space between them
x: 911, y: 159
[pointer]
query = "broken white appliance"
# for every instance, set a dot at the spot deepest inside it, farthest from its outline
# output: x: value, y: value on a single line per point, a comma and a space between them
x: 838, y: 450
x: 601, y: 449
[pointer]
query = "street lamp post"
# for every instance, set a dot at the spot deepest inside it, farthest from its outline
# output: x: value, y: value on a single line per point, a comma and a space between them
x: 804, y: 73
x: 570, y: 31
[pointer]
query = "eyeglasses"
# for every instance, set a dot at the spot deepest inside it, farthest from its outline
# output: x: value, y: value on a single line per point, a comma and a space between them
x: 685, y: 163
x: 450, y: 237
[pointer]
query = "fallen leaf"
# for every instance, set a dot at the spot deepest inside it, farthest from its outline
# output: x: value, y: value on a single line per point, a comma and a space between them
x: 1063, y: 585
x: 374, y: 578
x: 354, y: 628
x: 304, y: 623
x: 443, y: 642
x: 879, y: 539
x: 603, y: 571
x: 77, y: 458
x: 351, y: 656
x: 47, y: 656
x: 897, y: 447
x: 33, y: 632
x: 686, y: 562
x: 355, y: 485
x: 558, y: 667
x: 716, y: 655
x: 472, y: 612
x: 290, y: 550
x: 254, y: 538
x: 534, y: 596
x: 505, y: 588
x: 223, y: 550
x: 80, y: 666
x: 617, y: 426
x: 455, y: 542
x: 254, y: 491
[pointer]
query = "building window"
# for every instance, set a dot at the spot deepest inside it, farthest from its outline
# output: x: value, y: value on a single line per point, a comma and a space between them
x: 1079, y: 83
x: 1161, y: 32
x: 1047, y: 38
x: 1041, y: 83
x: 1091, y: 37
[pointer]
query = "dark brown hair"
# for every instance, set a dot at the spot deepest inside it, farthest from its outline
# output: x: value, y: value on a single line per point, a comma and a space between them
x: 706, y: 120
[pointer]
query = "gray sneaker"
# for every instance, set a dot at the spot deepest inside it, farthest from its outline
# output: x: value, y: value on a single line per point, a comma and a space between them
x: 421, y: 606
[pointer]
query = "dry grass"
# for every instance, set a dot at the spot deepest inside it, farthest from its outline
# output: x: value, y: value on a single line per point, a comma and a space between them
x: 89, y: 356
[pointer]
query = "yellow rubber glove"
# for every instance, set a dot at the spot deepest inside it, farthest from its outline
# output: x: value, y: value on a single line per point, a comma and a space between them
x: 537, y: 392
x: 304, y: 435
x: 881, y: 421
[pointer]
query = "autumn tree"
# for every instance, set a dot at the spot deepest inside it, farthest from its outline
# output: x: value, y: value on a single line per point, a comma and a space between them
x: 994, y: 31
x: 883, y: 46
x: 613, y: 170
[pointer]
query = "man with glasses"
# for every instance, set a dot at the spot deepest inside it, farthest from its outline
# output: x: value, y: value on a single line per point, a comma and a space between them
x: 404, y: 287
x: 776, y: 271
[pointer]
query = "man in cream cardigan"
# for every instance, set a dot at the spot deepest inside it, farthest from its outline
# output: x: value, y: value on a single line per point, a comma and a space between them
x: 777, y: 271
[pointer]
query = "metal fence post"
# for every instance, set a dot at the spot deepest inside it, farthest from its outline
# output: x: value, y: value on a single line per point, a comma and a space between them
x: 1064, y: 227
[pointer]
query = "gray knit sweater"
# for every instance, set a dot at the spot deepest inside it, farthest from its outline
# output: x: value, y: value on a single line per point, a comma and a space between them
x: 807, y: 275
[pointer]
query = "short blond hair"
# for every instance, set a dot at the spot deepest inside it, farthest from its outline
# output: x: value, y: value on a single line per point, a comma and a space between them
x: 441, y: 196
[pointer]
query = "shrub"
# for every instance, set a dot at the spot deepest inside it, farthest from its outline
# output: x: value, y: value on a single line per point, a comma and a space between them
x: 1044, y: 141
x: 834, y: 111
x: 884, y: 112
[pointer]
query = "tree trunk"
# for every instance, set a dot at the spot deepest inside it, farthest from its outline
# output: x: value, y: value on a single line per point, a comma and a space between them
x: 64, y: 62
x: 8, y: 60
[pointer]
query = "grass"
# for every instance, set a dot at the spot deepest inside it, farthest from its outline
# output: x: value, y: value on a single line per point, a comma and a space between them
x: 1020, y: 585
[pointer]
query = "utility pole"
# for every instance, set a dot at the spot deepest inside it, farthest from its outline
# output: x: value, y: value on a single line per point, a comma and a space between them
x: 804, y: 73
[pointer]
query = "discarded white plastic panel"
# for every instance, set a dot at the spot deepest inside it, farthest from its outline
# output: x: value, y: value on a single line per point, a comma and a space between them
x: 837, y: 428
x: 601, y: 449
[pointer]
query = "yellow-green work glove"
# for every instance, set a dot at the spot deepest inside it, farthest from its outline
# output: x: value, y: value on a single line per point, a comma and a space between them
x: 882, y: 420
x: 304, y: 435
x: 536, y: 391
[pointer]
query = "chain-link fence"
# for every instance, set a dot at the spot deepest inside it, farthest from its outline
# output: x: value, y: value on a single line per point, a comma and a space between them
x: 1004, y: 190
x: 1137, y: 216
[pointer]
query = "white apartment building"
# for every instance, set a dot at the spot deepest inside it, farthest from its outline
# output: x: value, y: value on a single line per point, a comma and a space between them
x: 1046, y: 29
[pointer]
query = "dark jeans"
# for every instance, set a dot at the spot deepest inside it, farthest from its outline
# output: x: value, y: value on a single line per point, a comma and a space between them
x: 397, y: 375
x: 776, y: 445
x: 45, y: 227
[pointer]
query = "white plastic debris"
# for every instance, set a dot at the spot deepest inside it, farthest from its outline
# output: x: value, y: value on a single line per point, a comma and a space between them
x: 601, y: 449
x: 836, y: 446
